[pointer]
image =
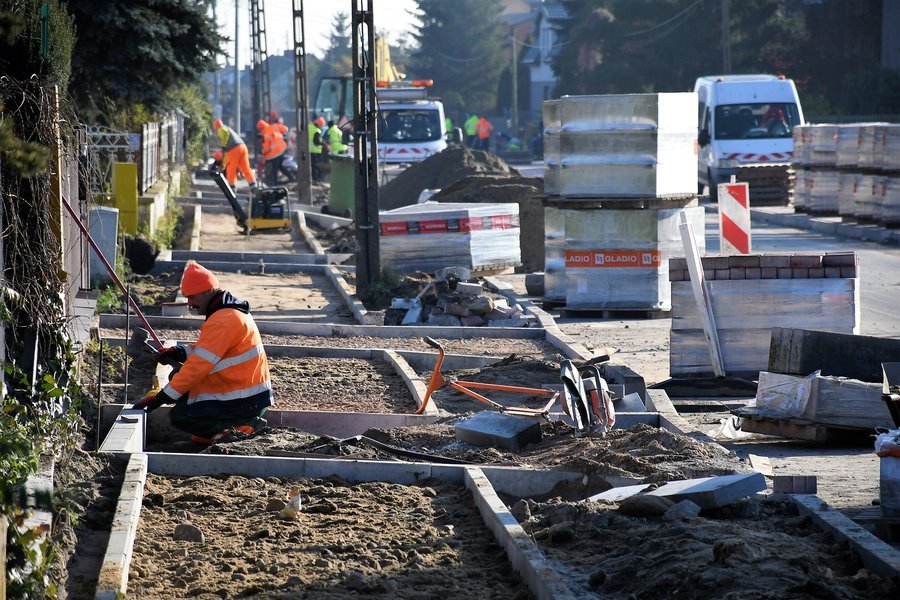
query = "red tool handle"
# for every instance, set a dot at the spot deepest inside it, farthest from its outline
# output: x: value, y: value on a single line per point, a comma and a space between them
x: 111, y: 271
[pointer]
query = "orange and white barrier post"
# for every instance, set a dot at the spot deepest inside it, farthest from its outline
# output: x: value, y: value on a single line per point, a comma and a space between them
x: 734, y: 218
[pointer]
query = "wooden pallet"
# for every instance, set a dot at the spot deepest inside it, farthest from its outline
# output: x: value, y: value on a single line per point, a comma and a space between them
x: 615, y: 313
x: 799, y: 429
x: 886, y: 528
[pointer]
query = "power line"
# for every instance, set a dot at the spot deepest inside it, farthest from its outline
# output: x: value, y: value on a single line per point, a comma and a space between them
x: 664, y: 23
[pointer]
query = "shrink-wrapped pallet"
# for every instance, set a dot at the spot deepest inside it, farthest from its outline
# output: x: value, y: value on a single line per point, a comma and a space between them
x: 617, y: 259
x: 890, y: 160
x: 822, y: 191
x: 427, y: 237
x: 890, y: 203
x: 848, y: 187
x: 622, y: 146
x: 870, y: 152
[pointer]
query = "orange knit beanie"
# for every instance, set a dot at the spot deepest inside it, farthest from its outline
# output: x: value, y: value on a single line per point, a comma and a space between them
x: 197, y: 279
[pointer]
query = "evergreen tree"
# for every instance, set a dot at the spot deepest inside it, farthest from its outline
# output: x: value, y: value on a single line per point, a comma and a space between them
x: 337, y: 55
x: 138, y: 52
x: 463, y: 48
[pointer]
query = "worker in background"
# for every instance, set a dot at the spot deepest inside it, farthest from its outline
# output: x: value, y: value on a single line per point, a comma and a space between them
x: 334, y: 139
x: 236, y: 158
x: 483, y: 130
x: 315, y: 147
x: 471, y: 128
x: 448, y: 124
x: 278, y: 122
x: 274, y: 148
x: 223, y: 388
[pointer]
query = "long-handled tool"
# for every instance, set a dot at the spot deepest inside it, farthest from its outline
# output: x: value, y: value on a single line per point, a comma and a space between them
x: 112, y: 272
x: 437, y: 381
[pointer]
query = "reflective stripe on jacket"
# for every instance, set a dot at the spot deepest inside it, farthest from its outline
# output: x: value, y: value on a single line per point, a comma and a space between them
x: 228, y: 137
x: 226, y: 371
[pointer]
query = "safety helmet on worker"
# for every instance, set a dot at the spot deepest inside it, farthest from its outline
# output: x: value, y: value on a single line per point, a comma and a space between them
x: 260, y: 125
x: 217, y: 123
x: 320, y: 122
x: 217, y: 155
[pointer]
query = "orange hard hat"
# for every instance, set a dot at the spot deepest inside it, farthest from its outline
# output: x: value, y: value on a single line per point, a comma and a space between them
x: 273, y: 114
x: 217, y: 123
x: 261, y: 124
x: 320, y: 121
x: 217, y: 155
x: 196, y: 279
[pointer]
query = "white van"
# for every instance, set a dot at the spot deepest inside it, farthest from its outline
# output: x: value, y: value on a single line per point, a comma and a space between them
x: 744, y: 119
x: 411, y: 126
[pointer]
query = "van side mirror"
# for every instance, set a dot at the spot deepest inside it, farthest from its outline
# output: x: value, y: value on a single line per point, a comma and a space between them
x: 703, y: 137
x: 455, y: 136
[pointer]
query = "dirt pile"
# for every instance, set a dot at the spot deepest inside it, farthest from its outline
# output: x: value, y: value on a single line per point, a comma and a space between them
x: 437, y: 172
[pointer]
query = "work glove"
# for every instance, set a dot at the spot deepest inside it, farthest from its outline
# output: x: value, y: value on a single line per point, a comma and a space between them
x: 152, y: 401
x: 172, y: 355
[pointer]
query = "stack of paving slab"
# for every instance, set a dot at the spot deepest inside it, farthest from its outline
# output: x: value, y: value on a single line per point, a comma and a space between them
x: 618, y: 171
x: 431, y: 236
x: 751, y: 295
x: 851, y: 170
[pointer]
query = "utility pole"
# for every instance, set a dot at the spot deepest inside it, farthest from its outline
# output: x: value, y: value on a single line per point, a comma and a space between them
x: 726, y: 38
x: 365, y: 149
x: 237, y: 69
x: 217, y: 101
x: 301, y: 105
x: 514, y: 116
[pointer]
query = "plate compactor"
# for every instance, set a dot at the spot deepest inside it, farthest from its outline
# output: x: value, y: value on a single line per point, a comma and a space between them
x: 269, y: 208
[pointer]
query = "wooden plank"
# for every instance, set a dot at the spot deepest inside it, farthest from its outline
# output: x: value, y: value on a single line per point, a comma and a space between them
x: 785, y: 429
x: 701, y: 294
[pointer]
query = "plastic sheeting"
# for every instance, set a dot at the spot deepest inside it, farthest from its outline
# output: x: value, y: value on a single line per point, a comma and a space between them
x: 621, y: 146
x: 430, y: 236
x: 617, y: 258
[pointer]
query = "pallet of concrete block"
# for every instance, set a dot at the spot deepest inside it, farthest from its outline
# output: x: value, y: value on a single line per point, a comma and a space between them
x: 427, y: 237
x: 815, y: 145
x: 870, y: 152
x: 889, y: 210
x: 859, y: 195
x: 770, y: 184
x: 821, y: 190
x: 890, y: 155
x: 750, y: 295
x: 621, y: 146
x: 612, y: 259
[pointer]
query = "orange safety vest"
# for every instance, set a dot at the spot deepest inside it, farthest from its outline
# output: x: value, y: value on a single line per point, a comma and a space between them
x: 484, y: 128
x: 273, y: 141
x: 227, y: 367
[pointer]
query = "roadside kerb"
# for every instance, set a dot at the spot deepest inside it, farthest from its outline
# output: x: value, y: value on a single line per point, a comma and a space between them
x: 113, y: 580
x: 256, y: 267
x: 527, y: 560
x: 117, y: 321
x: 195, y: 228
x: 325, y: 221
x: 356, y: 307
x: 878, y: 556
x: 268, y: 258
x: 298, y: 219
x: 827, y: 225
x: 127, y: 432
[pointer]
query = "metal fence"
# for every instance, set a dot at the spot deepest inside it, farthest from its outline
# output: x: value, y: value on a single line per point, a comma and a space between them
x: 162, y: 147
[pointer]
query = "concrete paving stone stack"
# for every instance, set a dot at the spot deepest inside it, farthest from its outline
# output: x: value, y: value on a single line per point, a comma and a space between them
x: 621, y: 146
x: 618, y: 171
x: 889, y: 214
x: 431, y: 236
x: 816, y: 180
x: 751, y: 294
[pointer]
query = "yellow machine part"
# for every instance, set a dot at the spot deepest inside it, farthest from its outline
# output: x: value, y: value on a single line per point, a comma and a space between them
x: 125, y: 195
x: 268, y: 223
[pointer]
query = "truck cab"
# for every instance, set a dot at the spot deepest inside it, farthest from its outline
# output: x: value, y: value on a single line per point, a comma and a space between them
x: 743, y: 120
x: 411, y: 127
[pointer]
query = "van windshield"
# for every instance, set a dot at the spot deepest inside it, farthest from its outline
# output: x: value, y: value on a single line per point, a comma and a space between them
x: 751, y: 121
x: 409, y: 125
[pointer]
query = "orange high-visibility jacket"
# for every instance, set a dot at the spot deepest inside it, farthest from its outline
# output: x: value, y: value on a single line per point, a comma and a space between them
x: 484, y: 128
x: 273, y: 141
x: 226, y: 371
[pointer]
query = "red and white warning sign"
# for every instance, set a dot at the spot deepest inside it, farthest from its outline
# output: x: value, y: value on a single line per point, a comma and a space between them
x: 734, y: 218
